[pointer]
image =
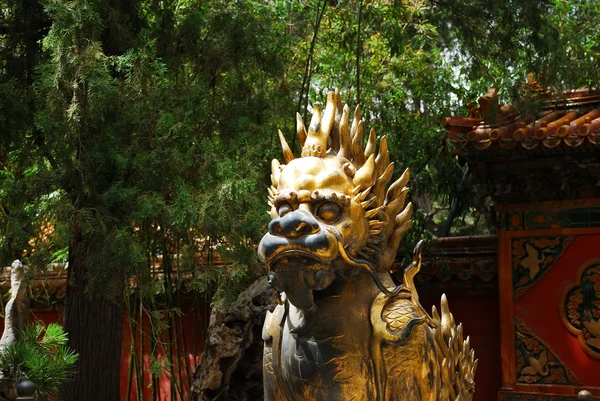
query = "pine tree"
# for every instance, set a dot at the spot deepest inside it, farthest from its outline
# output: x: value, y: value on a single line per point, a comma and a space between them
x: 151, y: 148
x: 77, y: 94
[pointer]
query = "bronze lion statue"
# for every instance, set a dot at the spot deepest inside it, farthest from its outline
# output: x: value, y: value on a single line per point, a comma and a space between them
x: 342, y: 329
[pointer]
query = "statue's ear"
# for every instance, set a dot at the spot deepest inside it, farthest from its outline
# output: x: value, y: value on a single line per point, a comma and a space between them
x: 365, y: 176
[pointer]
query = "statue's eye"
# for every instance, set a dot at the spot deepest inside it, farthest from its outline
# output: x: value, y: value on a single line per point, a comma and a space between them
x: 329, y: 211
x: 284, y: 209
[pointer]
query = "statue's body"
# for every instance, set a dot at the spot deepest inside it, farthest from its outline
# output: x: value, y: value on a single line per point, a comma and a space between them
x: 342, y: 329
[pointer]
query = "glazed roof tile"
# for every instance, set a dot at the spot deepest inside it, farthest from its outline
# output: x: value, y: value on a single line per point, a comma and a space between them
x: 563, y: 122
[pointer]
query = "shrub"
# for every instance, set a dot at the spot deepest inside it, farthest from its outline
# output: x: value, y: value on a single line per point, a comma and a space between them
x: 40, y: 355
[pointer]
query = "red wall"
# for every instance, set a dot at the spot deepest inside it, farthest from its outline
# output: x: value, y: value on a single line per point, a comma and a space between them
x: 188, y: 337
x: 479, y: 316
x: 187, y: 341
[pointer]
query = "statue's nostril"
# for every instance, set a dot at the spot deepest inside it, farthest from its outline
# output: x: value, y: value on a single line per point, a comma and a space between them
x: 275, y: 227
x: 307, y: 226
x: 303, y: 228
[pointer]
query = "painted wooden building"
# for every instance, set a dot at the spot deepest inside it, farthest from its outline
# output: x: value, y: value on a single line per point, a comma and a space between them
x: 540, y: 162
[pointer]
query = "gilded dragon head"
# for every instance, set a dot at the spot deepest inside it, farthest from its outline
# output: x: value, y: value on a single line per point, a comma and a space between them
x: 333, y: 212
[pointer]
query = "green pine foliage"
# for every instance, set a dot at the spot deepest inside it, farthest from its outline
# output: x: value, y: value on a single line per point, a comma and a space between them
x: 41, y: 356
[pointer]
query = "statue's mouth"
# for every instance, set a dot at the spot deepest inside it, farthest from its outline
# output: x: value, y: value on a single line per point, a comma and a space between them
x: 297, y: 273
x: 295, y: 259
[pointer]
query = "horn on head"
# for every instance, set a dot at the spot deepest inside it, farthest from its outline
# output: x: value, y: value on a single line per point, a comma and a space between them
x: 317, y: 138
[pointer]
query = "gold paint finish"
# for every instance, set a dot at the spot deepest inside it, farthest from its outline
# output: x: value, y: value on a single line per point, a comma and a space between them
x: 342, y: 329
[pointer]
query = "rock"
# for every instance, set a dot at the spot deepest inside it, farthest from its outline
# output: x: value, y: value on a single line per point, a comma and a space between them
x: 16, y: 317
x: 231, y: 368
x: 17, y: 308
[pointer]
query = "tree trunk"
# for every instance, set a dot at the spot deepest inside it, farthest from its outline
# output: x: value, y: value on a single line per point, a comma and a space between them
x: 94, y: 325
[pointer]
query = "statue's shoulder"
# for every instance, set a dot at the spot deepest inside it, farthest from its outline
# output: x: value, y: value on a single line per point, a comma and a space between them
x: 403, y: 349
x: 394, y: 317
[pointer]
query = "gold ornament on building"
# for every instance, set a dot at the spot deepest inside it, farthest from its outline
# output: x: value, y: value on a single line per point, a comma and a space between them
x: 580, y: 307
x: 343, y: 330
